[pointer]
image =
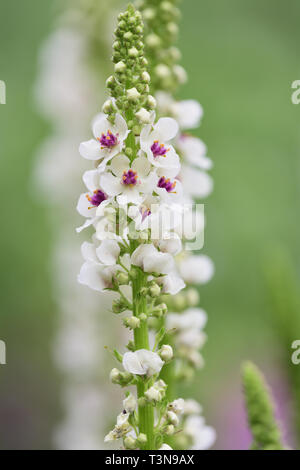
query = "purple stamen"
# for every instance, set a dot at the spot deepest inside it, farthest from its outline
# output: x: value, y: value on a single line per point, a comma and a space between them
x: 158, y: 150
x: 145, y: 212
x: 166, y: 184
x: 97, y: 197
x: 130, y: 178
x: 108, y: 140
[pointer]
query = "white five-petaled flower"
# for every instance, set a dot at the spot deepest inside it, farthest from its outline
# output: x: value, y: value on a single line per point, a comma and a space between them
x: 129, y: 182
x: 108, y: 142
x: 142, y: 362
x: 154, y: 142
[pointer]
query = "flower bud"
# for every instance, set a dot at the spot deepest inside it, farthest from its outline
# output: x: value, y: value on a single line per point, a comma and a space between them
x: 120, y: 67
x: 162, y: 71
x: 110, y: 82
x: 145, y: 77
x: 153, y: 41
x: 151, y: 102
x: 143, y: 116
x: 108, y: 107
x: 141, y: 439
x: 149, y: 14
x: 142, y: 401
x: 128, y: 36
x: 154, y: 290
x: 133, y: 52
x: 180, y: 73
x: 118, y: 306
x: 169, y: 430
x: 130, y: 442
x: 172, y: 418
x: 115, y: 376
x: 122, y: 278
x: 143, y: 316
x: 166, y: 353
x: 133, y: 95
x: 132, y: 322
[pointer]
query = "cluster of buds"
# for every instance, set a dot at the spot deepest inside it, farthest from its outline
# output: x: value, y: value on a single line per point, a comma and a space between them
x: 161, y: 19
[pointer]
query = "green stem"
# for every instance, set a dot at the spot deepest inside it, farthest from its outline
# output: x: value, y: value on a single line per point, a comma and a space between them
x: 141, y: 341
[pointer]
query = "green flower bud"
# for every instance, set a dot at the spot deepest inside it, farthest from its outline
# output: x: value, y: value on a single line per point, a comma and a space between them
x: 151, y: 102
x: 169, y: 430
x: 143, y: 316
x: 154, y: 290
x: 143, y: 116
x: 133, y: 95
x: 122, y: 278
x: 145, y: 77
x: 153, y: 41
x: 141, y: 439
x: 120, y: 67
x: 132, y: 322
x: 108, y: 107
x: 133, y: 52
x: 115, y: 376
x: 166, y: 353
x: 130, y: 442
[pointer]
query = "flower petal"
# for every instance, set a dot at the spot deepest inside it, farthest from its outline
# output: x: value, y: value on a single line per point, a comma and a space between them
x: 167, y: 128
x: 108, y: 252
x: 90, y: 150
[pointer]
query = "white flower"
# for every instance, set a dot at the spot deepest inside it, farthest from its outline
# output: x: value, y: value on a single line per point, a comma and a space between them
x: 191, y: 338
x: 129, y: 182
x: 203, y: 436
x: 197, y: 269
x: 151, y: 260
x: 142, y: 362
x: 129, y: 404
x: 108, y: 142
x: 93, y: 274
x: 157, y: 392
x: 193, y: 151
x: 154, y: 142
x: 165, y: 447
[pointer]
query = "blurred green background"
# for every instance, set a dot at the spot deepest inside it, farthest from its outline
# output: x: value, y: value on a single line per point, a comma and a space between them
x: 241, y: 57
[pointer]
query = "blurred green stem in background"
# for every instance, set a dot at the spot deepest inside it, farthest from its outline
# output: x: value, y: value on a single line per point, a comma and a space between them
x: 265, y: 431
x: 284, y: 295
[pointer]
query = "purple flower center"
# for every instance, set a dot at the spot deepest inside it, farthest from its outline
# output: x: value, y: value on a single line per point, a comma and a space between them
x: 108, y: 140
x: 96, y: 199
x: 158, y: 150
x: 166, y: 184
x: 130, y: 178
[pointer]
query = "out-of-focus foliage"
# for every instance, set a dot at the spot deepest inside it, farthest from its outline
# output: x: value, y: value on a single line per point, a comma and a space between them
x: 284, y: 294
x: 265, y: 431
